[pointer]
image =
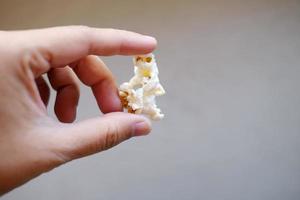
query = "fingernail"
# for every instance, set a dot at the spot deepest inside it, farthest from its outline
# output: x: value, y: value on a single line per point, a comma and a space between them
x: 141, y: 128
x: 150, y: 39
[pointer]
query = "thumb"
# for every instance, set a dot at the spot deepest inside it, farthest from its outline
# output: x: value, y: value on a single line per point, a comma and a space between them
x: 98, y: 134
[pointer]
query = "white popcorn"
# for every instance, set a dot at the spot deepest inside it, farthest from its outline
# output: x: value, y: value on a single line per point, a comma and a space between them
x: 138, y: 95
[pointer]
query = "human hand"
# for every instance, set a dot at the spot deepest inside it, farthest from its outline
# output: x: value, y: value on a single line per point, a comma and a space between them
x: 31, y: 142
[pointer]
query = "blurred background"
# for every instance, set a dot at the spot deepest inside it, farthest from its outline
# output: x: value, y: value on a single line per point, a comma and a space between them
x: 231, y: 70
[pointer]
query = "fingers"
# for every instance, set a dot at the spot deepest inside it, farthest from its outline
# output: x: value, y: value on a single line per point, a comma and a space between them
x: 65, y: 82
x: 95, y: 135
x: 93, y: 72
x: 63, y: 45
x: 43, y: 89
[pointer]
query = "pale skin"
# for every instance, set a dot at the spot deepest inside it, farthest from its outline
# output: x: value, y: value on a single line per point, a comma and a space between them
x: 31, y: 142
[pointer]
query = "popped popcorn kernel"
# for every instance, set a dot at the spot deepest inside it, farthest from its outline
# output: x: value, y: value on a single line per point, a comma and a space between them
x: 138, y: 95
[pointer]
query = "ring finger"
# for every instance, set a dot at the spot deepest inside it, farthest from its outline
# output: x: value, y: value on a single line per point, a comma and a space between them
x: 66, y: 83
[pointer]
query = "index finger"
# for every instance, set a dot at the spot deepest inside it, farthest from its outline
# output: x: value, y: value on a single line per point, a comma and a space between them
x: 64, y: 45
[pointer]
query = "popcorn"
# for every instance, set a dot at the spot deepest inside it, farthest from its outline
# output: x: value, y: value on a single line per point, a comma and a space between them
x: 138, y: 95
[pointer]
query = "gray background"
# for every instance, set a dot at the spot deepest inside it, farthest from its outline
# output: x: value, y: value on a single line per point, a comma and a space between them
x: 231, y: 70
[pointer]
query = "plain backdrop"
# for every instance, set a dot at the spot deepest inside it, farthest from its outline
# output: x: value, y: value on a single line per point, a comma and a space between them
x: 231, y: 70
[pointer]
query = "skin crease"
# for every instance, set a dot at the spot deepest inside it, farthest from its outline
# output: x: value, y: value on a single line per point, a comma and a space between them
x: 31, y: 142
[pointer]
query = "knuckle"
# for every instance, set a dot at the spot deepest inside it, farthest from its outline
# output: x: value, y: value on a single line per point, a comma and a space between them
x: 82, y: 29
x: 76, y: 87
x: 115, y: 31
x: 72, y: 81
x: 111, y: 137
x: 36, y: 60
x: 61, y: 78
x: 84, y: 35
x: 75, y: 82
x: 118, y: 34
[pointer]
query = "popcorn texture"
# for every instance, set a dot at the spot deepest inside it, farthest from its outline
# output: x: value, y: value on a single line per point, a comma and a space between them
x: 138, y: 95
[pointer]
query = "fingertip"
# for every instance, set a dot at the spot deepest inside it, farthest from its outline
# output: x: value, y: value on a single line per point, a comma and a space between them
x: 107, y: 97
x: 151, y: 41
x: 111, y: 105
x: 139, y: 125
x: 66, y: 116
x: 142, y: 127
x: 66, y: 103
x: 134, y: 43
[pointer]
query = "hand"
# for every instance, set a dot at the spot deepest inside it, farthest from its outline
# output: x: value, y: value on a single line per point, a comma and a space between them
x: 31, y: 142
